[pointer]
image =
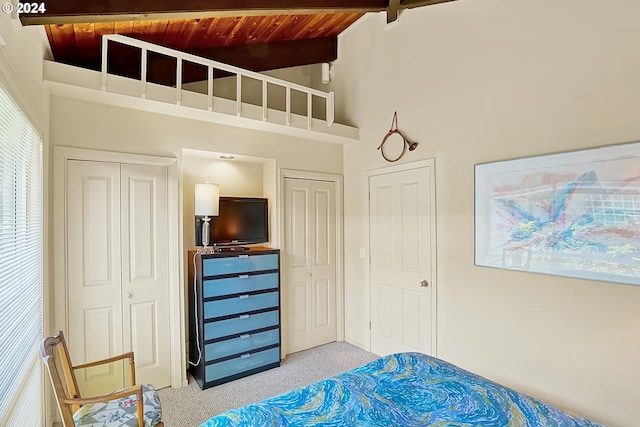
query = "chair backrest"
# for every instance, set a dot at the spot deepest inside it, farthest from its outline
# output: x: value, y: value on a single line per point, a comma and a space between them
x: 55, y: 356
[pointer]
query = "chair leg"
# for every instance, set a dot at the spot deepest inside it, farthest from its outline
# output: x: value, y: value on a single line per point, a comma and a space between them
x: 140, y: 408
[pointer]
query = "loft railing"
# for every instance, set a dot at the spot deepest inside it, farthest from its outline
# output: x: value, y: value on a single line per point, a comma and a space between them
x: 211, y: 65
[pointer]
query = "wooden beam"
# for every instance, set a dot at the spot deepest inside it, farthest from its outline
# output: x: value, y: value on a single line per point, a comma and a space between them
x: 85, y: 11
x: 125, y: 61
x: 392, y: 10
x: 396, y: 5
x: 410, y: 4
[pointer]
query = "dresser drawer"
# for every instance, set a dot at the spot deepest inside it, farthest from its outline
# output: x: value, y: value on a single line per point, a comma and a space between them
x: 240, y: 324
x: 239, y: 264
x: 241, y: 364
x: 242, y: 344
x: 240, y: 284
x: 240, y: 304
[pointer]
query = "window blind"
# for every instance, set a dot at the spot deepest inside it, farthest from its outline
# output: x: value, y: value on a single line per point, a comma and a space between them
x: 21, y: 284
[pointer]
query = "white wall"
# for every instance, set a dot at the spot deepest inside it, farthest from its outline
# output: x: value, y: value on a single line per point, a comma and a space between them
x: 82, y: 124
x: 21, y: 67
x: 481, y: 81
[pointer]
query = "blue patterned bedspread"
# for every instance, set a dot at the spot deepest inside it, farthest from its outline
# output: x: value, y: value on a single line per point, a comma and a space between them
x: 404, y: 389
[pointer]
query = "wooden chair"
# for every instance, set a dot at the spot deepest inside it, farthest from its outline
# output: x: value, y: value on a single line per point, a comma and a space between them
x: 113, y: 409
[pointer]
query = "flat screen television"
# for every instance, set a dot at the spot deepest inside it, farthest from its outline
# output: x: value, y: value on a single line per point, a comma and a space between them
x: 241, y: 221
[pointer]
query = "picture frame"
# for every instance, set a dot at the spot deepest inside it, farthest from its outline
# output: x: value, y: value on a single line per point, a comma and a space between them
x: 573, y: 214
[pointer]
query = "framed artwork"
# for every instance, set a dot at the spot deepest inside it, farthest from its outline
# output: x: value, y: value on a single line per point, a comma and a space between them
x: 574, y: 214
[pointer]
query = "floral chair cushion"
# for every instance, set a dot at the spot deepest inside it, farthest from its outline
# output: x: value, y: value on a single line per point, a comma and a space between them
x: 121, y: 412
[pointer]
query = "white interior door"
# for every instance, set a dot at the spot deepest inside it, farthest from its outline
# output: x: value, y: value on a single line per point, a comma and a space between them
x: 117, y: 257
x: 145, y: 274
x: 401, y: 220
x: 93, y: 271
x: 310, y: 262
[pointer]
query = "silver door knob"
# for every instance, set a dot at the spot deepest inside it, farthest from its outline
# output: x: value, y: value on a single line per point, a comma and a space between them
x: 127, y: 295
x: 424, y: 283
x: 308, y: 274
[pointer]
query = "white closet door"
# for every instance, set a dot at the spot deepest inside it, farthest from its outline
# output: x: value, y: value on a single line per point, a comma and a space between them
x: 117, y: 265
x: 145, y: 275
x: 310, y: 260
x: 94, y: 290
x: 401, y: 214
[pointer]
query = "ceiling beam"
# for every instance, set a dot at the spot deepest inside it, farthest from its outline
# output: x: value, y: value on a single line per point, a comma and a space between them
x: 125, y: 61
x: 392, y: 11
x: 84, y: 11
x: 410, y: 4
x: 396, y: 5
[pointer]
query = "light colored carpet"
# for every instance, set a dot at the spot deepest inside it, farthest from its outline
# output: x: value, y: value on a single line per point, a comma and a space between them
x: 190, y: 406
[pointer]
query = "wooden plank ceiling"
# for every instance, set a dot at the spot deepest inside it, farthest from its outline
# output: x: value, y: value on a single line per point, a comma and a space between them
x: 258, y: 35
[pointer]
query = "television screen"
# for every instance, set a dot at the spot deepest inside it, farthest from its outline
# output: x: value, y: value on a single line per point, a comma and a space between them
x: 241, y: 221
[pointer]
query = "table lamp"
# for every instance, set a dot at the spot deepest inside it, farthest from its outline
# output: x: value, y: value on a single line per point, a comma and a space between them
x: 207, y: 203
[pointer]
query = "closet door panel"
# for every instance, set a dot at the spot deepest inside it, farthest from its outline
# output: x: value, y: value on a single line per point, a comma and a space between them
x: 94, y: 264
x: 310, y: 249
x: 324, y: 265
x: 145, y: 275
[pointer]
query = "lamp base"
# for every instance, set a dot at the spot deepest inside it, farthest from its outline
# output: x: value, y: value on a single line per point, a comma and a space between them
x: 205, y: 231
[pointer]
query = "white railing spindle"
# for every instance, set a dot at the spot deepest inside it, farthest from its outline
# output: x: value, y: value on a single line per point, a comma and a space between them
x: 288, y: 107
x: 143, y: 74
x: 264, y: 101
x: 330, y: 109
x: 105, y: 46
x: 210, y: 87
x: 179, y: 81
x: 309, y: 110
x: 239, y: 94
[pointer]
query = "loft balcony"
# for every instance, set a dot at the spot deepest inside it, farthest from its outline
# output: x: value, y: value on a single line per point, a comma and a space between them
x: 243, y: 98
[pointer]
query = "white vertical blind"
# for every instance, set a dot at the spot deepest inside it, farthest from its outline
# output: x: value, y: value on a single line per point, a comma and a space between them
x: 21, y: 258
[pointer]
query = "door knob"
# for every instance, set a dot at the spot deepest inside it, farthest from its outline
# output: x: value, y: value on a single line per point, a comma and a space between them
x: 424, y: 283
x: 308, y: 274
x: 127, y: 295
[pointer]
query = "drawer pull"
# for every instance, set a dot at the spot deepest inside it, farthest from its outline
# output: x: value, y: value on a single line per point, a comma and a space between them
x: 243, y: 256
x: 245, y: 356
x: 243, y: 276
x: 243, y: 296
x: 244, y: 316
x: 245, y: 336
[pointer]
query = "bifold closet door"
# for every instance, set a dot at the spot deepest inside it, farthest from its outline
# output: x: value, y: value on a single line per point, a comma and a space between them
x: 309, y: 296
x: 94, y: 294
x: 117, y: 256
x: 145, y: 271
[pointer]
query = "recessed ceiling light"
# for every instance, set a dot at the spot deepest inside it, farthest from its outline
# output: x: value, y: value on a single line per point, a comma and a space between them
x: 227, y: 157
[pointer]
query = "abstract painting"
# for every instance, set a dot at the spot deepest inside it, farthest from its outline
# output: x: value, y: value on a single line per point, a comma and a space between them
x: 573, y: 214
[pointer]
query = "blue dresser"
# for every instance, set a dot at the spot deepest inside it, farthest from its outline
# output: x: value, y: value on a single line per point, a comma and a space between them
x: 234, y: 314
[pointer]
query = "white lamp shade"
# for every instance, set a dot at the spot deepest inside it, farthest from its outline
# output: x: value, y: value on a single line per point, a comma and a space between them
x: 207, y: 199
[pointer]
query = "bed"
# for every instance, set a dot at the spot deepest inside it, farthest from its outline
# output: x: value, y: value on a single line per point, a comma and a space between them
x: 403, y: 389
